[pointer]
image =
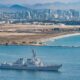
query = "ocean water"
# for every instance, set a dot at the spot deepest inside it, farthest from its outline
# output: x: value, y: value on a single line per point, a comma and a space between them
x: 69, y: 57
x: 67, y: 41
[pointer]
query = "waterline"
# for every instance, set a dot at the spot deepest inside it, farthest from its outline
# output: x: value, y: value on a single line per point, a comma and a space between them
x: 59, y: 37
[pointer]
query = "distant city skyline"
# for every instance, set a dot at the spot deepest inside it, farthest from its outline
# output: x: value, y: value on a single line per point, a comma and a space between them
x: 34, y: 1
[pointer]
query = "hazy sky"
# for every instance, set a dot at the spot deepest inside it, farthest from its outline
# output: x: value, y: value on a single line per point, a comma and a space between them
x: 33, y: 1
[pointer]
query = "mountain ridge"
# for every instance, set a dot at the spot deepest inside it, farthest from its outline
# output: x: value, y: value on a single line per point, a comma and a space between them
x: 54, y: 5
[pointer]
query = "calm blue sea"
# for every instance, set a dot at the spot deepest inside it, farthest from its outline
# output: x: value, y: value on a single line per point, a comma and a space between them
x: 68, y: 56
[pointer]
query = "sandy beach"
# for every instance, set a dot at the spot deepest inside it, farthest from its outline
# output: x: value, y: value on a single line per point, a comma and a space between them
x: 22, y: 34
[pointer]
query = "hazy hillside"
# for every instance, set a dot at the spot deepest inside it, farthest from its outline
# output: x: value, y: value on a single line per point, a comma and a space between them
x: 58, y: 5
x: 55, y: 5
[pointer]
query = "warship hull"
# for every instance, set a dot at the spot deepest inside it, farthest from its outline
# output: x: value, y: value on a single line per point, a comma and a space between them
x: 42, y: 68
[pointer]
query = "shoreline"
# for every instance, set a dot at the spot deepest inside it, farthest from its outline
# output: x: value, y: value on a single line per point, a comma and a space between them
x: 35, y: 35
x: 59, y: 37
x: 42, y: 42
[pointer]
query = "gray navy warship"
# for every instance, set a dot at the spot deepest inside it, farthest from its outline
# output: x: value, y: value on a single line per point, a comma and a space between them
x: 34, y: 64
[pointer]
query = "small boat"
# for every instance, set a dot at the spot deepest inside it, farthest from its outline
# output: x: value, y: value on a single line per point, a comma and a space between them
x: 33, y: 64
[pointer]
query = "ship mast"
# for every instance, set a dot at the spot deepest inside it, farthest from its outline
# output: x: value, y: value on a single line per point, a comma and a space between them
x: 34, y: 53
